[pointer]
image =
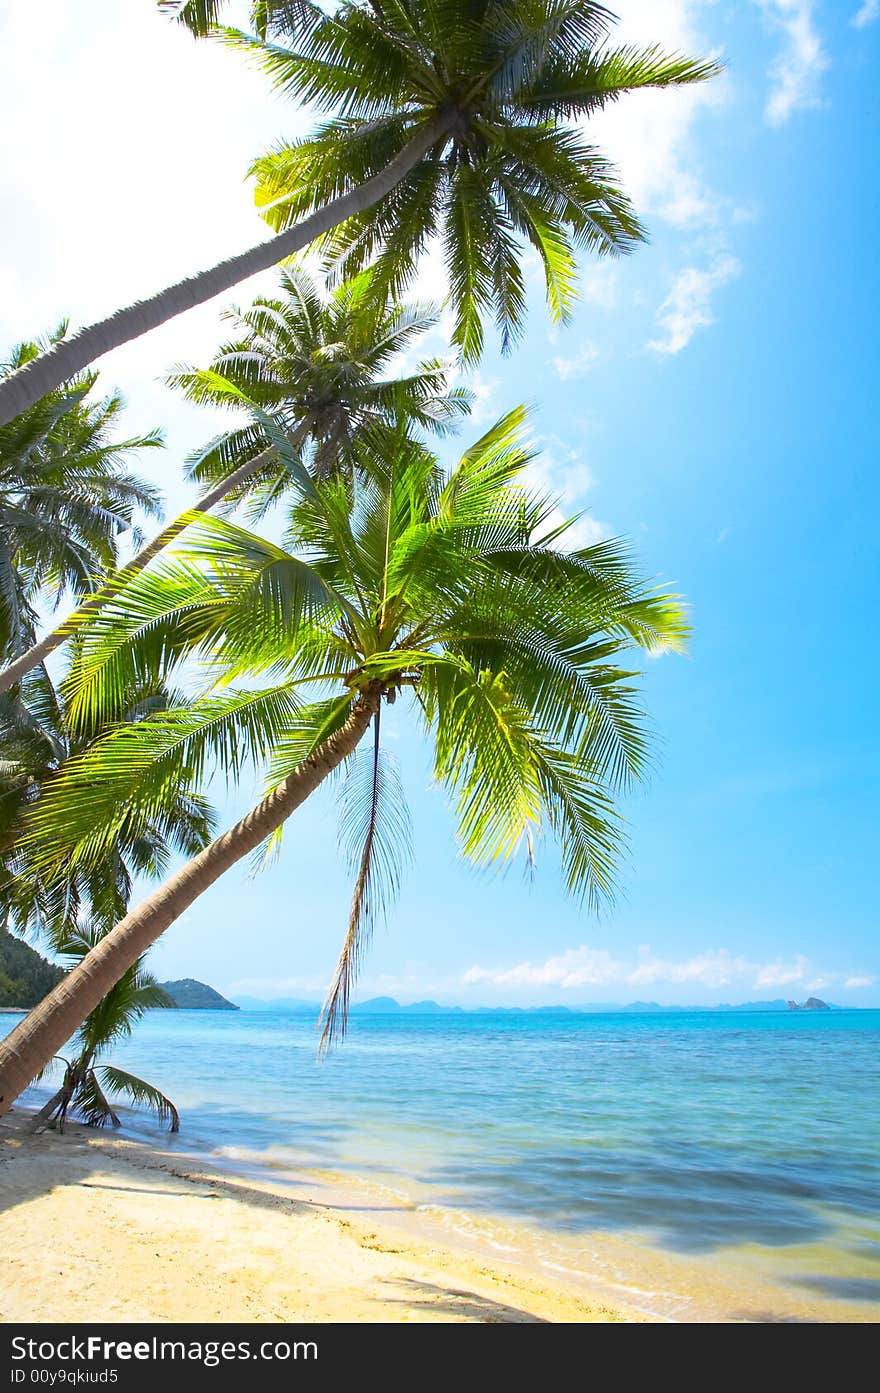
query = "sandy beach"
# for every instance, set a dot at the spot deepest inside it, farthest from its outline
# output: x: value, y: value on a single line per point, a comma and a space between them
x: 98, y: 1227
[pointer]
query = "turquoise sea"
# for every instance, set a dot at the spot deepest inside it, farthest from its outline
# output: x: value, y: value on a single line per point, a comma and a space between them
x: 713, y: 1164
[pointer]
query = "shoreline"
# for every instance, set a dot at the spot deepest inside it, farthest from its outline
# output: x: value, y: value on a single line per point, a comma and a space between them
x: 104, y: 1228
x: 109, y: 1227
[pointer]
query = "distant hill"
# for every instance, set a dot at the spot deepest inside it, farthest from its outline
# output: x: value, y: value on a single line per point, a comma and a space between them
x: 25, y: 976
x: 190, y: 995
x: 387, y: 1005
x: 376, y: 1005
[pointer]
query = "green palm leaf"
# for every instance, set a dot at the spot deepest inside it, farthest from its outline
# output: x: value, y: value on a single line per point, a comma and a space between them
x: 376, y: 835
x: 120, y: 1083
x: 449, y: 589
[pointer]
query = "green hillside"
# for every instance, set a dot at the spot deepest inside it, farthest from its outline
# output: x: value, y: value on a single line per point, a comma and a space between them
x: 190, y: 995
x: 25, y: 976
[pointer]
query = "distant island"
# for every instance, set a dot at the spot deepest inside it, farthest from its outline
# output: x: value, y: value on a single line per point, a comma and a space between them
x: 812, y: 1003
x: 387, y: 1005
x: 25, y: 976
x: 189, y: 995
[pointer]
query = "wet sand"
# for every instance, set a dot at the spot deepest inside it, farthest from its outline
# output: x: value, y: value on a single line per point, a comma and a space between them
x: 97, y: 1226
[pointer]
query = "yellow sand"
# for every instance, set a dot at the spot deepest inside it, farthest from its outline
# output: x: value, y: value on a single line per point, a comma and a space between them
x: 97, y: 1228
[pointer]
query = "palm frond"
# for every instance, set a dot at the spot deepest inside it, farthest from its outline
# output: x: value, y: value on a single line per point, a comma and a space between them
x: 120, y: 1083
x: 376, y: 834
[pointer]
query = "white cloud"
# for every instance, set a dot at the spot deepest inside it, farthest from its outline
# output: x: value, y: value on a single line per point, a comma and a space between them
x: 782, y: 974
x: 576, y: 967
x: 712, y: 969
x: 147, y: 192
x: 796, y: 71
x: 715, y: 968
x: 486, y: 408
x: 579, y: 364
x: 560, y: 469
x: 599, y: 284
x: 650, y: 136
x: 688, y: 306
x: 860, y: 980
x: 560, y: 472
x: 867, y: 14
x: 586, y: 531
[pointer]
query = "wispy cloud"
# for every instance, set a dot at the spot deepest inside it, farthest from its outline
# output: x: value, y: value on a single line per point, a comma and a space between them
x: 579, y: 363
x: 782, y: 974
x: 599, y: 284
x: 715, y: 968
x: 651, y: 136
x: 869, y: 11
x: 795, y: 73
x: 486, y: 407
x: 562, y: 473
x: 576, y: 967
x: 688, y: 306
x: 712, y: 969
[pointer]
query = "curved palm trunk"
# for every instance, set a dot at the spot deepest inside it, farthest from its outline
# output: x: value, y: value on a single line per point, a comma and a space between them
x: 39, y: 652
x: 34, y: 1041
x: 22, y: 388
x: 58, y: 1104
x: 41, y: 1121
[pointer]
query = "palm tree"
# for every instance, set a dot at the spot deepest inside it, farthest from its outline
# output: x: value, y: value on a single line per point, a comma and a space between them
x: 37, y: 740
x: 461, y: 117
x: 200, y: 17
x: 66, y: 496
x: 88, y: 1086
x: 448, y: 588
x: 318, y: 364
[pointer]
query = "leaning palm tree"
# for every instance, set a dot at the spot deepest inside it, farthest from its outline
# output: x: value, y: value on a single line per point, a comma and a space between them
x: 326, y: 369
x: 461, y: 117
x: 67, y: 496
x: 330, y: 370
x: 89, y: 1085
x: 37, y: 740
x: 448, y: 588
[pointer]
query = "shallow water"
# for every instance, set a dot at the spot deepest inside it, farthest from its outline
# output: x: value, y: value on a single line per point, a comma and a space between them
x: 636, y: 1147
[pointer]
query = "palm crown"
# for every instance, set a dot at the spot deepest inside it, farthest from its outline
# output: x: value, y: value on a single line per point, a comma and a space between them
x: 462, y: 118
x: 500, y: 91
x: 37, y: 739
x: 448, y: 587
x: 321, y: 366
x: 324, y: 367
x: 66, y: 497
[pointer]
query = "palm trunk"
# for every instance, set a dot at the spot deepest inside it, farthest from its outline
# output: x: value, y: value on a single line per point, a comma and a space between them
x: 39, y: 652
x: 22, y: 388
x: 40, y: 1122
x: 34, y: 1041
x: 60, y: 1102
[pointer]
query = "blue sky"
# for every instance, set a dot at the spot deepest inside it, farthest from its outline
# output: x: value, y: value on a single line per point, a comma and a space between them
x: 714, y: 400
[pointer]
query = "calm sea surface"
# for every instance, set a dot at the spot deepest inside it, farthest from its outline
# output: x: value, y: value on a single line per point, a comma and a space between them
x: 747, y: 1139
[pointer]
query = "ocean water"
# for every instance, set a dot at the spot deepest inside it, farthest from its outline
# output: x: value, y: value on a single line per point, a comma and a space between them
x: 716, y: 1165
